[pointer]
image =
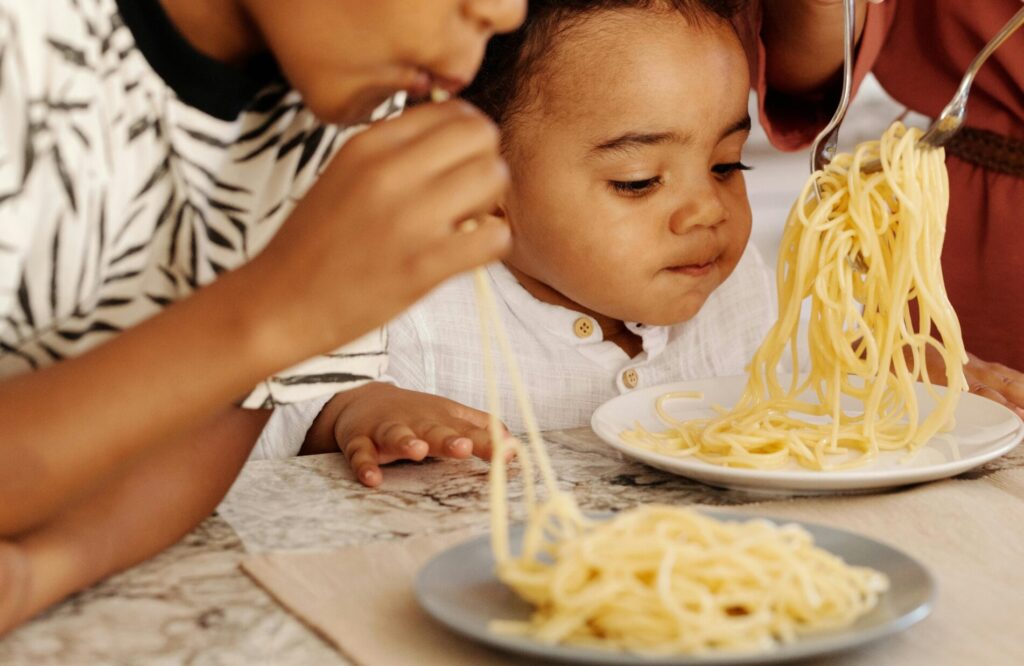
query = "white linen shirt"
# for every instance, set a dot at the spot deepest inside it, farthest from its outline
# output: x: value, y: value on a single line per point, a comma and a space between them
x: 568, y: 368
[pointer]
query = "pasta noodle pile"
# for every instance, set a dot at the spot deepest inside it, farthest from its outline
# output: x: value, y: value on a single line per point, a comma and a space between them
x: 654, y: 579
x: 867, y: 255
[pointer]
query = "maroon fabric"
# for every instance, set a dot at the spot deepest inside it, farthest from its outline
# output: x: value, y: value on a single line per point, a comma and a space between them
x: 919, y: 50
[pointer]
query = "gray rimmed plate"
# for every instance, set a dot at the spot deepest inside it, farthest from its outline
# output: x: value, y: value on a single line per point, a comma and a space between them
x: 458, y: 588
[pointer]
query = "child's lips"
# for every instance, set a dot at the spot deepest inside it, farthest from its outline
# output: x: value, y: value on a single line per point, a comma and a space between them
x: 694, y: 270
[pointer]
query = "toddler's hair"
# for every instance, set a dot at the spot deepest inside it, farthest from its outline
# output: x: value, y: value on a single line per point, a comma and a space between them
x: 511, y: 62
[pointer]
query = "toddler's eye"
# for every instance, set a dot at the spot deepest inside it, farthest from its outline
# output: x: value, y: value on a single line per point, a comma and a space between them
x: 635, y: 188
x: 729, y: 168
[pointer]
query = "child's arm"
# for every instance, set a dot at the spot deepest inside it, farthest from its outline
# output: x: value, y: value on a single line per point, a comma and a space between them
x: 379, y: 423
x: 374, y: 235
x: 149, y: 506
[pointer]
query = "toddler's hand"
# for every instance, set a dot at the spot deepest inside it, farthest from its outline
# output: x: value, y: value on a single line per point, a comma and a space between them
x: 378, y: 423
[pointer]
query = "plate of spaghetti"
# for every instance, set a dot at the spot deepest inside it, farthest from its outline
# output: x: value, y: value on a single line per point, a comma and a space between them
x: 736, y: 590
x: 679, y: 428
x: 878, y: 397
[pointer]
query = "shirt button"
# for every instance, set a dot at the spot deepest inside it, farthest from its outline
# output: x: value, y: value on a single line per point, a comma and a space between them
x: 582, y: 327
x: 630, y: 378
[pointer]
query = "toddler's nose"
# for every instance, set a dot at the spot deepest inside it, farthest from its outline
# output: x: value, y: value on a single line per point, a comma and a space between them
x: 701, y: 207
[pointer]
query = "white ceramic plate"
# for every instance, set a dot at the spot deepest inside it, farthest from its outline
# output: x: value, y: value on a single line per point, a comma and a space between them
x: 458, y: 588
x: 984, y: 430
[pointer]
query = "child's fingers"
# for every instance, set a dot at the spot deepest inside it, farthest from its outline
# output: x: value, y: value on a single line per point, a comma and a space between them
x: 397, y: 441
x: 481, y: 439
x: 445, y: 441
x: 361, y: 454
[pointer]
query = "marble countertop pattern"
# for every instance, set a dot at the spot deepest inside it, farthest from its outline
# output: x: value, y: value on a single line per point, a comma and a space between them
x: 192, y: 604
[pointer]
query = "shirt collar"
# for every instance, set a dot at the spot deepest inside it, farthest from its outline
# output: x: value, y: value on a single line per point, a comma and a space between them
x: 571, y: 327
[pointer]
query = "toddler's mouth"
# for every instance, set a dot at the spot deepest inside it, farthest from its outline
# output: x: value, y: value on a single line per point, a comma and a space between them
x: 694, y: 270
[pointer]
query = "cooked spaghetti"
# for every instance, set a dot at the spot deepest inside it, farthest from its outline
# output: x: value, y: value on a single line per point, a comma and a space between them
x: 867, y: 256
x: 655, y: 579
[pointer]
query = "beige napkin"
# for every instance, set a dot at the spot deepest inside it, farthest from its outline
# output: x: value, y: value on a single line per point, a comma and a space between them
x: 970, y: 534
x: 361, y: 600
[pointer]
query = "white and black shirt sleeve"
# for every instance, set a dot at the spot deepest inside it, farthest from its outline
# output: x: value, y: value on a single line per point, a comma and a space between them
x: 133, y: 171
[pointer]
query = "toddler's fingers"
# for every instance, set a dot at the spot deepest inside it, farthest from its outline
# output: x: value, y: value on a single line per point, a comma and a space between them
x: 397, y: 441
x: 446, y: 441
x: 361, y: 454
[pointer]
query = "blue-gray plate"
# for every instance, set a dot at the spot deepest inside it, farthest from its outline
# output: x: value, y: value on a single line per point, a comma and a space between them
x: 458, y: 588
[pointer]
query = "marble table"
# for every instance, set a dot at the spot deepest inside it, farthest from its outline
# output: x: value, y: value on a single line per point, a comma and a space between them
x: 192, y: 604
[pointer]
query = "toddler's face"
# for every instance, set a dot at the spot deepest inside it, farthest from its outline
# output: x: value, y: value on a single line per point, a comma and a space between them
x: 347, y: 56
x: 627, y: 195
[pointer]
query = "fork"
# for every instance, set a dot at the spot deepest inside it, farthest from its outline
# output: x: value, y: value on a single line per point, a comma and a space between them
x: 949, y: 122
x: 824, y: 147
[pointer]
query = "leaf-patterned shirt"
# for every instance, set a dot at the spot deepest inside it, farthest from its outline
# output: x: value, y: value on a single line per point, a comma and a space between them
x: 134, y: 170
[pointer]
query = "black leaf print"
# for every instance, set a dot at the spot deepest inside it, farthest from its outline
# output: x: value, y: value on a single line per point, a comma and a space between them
x: 267, y: 145
x: 55, y: 356
x: 165, y: 212
x: 25, y: 303
x: 268, y: 123
x: 130, y: 252
x: 128, y: 225
x: 81, y: 136
x: 14, y: 351
x: 54, y: 261
x: 210, y: 176
x: 162, y: 169
x: 271, y: 98
x: 325, y: 378
x: 138, y: 128
x: 179, y: 221
x: 291, y: 145
x: 273, y: 211
x: 65, y: 105
x: 98, y: 326
x: 69, y: 53
x: 65, y: 179
x: 162, y: 301
x: 217, y: 238
x: 193, y: 264
x: 218, y: 269
x: 312, y: 143
x: 243, y: 231
x: 224, y: 207
x: 114, y: 302
x: 203, y: 137
x: 327, y: 153
x: 120, y: 277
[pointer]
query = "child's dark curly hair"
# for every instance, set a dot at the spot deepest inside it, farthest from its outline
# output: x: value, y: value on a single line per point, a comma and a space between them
x: 510, y: 63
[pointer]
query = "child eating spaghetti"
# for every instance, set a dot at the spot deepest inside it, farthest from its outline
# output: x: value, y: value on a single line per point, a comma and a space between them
x: 623, y: 124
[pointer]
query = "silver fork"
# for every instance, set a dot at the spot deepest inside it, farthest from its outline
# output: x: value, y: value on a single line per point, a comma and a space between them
x: 952, y: 117
x: 824, y: 147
